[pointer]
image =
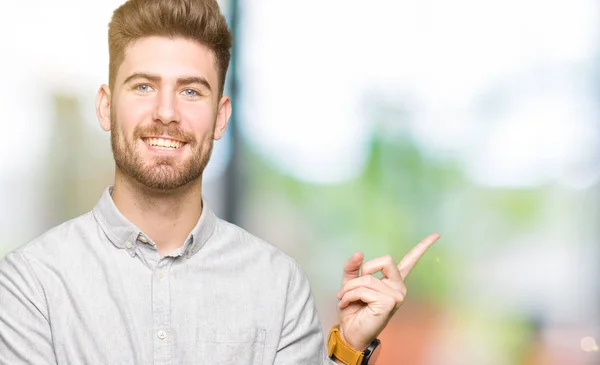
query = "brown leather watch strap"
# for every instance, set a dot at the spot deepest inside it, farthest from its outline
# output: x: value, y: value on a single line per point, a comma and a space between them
x: 341, y: 350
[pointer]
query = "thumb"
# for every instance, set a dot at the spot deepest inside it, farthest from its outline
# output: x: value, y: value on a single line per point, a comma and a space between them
x: 352, y: 267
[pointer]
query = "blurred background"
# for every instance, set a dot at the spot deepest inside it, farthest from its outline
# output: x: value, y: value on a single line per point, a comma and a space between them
x: 364, y: 126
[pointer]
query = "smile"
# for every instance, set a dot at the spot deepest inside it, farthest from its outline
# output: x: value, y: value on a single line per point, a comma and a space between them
x: 163, y: 143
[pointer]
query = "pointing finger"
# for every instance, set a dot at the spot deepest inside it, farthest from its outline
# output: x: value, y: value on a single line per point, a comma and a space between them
x: 412, y: 257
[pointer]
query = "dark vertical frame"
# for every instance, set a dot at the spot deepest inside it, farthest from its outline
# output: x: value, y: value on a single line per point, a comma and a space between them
x: 234, y: 176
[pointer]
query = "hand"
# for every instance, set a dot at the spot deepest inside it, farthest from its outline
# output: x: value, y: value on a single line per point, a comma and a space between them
x: 366, y: 303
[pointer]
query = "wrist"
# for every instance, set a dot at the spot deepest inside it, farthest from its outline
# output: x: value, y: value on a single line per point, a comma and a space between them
x: 350, y: 341
x: 342, y: 352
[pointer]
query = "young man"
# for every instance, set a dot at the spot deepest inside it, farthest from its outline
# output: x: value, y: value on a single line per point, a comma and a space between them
x: 150, y: 275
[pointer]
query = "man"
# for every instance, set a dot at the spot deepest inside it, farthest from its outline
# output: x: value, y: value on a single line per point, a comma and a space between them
x: 150, y: 275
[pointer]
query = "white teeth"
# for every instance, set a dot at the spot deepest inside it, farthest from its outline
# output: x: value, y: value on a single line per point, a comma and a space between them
x: 164, y: 143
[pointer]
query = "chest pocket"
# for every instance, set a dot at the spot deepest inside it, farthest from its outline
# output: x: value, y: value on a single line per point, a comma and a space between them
x: 221, y: 346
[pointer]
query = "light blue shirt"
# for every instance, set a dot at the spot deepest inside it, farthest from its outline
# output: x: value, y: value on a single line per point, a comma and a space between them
x: 95, y: 290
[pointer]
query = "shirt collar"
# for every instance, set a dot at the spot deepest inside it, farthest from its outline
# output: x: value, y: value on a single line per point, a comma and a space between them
x: 124, y: 234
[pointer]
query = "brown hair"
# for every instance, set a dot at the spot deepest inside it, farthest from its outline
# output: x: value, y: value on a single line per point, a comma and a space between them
x: 198, y: 20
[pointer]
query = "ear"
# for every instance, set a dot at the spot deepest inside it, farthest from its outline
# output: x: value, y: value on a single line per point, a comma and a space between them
x: 103, y: 107
x: 223, y: 115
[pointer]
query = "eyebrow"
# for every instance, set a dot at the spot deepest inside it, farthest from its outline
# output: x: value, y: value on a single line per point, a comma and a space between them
x: 182, y: 81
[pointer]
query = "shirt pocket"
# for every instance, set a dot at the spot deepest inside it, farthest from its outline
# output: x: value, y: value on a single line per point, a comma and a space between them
x: 222, y: 346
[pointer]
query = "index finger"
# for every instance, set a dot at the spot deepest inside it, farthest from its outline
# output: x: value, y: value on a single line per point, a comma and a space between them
x: 412, y: 257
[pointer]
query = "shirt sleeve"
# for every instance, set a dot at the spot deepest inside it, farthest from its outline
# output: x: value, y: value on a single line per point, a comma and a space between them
x: 301, y: 340
x: 25, y: 335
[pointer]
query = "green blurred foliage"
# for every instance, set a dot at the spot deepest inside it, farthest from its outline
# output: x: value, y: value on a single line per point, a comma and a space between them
x: 387, y: 209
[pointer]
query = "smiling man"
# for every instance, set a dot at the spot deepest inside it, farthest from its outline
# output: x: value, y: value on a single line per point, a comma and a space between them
x: 151, y: 275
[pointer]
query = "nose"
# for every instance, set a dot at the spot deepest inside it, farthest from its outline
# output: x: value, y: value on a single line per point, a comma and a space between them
x: 165, y: 110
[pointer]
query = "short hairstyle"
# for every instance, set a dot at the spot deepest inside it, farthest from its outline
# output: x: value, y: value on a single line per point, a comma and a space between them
x: 197, y: 20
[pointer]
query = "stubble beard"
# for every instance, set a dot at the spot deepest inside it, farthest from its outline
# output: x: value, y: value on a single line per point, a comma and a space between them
x: 163, y: 173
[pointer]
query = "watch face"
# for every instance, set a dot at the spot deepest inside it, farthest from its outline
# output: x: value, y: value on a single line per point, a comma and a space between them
x: 374, y: 355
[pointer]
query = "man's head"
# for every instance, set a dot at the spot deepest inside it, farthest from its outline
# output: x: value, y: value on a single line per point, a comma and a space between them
x: 164, y: 104
x: 196, y: 20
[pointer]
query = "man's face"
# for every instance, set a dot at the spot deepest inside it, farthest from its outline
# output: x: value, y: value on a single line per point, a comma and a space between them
x: 165, y: 111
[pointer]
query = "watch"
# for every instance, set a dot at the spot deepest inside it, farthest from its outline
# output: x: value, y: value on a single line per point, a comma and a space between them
x: 345, y: 353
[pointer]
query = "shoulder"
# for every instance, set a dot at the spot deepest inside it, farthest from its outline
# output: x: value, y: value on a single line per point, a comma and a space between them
x: 229, y: 233
x: 234, y: 241
x: 58, y: 240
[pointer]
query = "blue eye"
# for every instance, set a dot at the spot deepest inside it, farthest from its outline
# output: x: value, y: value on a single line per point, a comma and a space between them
x: 143, y: 88
x: 190, y: 92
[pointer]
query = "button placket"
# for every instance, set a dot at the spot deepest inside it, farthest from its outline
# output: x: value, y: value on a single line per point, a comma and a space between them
x: 161, y: 308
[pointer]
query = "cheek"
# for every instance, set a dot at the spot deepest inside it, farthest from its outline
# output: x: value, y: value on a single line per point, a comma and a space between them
x: 131, y: 113
x: 200, y: 118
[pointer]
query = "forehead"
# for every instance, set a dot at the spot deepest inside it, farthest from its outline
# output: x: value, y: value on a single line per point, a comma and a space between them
x: 170, y: 58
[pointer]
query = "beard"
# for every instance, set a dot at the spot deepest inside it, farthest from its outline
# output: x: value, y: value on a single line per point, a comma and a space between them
x: 162, y: 172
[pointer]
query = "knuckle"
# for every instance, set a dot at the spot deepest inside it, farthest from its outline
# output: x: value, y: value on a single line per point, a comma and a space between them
x: 403, y: 289
x: 398, y: 287
x: 399, y: 298
x: 391, y: 303
x: 388, y: 259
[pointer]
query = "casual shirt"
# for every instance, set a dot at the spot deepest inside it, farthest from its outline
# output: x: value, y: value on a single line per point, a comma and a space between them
x: 94, y: 290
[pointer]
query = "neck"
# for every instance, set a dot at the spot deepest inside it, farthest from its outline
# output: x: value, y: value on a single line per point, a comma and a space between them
x: 166, y: 217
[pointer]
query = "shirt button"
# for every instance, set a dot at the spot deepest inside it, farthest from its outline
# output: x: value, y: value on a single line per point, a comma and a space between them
x: 161, y: 334
x: 142, y: 239
x: 128, y: 244
x: 161, y: 273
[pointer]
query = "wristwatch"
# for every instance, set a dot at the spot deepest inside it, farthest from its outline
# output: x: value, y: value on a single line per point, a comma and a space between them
x: 340, y: 350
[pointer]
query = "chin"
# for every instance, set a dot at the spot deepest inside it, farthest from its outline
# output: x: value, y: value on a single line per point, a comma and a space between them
x: 160, y: 182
